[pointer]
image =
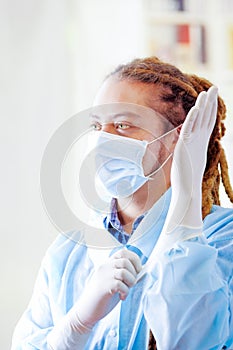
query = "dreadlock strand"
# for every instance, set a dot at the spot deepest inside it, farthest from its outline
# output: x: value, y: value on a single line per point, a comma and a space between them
x: 225, y: 175
x: 215, y: 190
x: 152, y: 342
x: 207, y: 198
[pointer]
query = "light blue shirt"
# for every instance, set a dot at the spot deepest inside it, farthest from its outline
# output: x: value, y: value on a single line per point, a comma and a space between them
x: 187, y: 300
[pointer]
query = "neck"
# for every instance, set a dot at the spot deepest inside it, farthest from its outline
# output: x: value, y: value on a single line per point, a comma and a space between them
x: 142, y: 200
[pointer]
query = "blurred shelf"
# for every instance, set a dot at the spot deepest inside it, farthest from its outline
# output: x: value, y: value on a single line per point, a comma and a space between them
x: 178, y: 17
x: 195, y: 35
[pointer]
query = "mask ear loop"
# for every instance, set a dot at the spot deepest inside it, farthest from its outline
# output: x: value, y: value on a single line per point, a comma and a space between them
x: 167, y: 133
x: 170, y: 155
x: 160, y: 167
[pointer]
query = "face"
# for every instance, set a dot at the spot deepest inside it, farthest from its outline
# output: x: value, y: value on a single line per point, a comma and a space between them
x: 138, y: 120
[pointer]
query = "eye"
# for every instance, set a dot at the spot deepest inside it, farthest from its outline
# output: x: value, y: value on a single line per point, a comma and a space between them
x: 122, y: 126
x: 95, y: 126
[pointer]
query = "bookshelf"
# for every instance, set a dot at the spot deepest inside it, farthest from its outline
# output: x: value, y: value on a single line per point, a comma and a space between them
x: 196, y: 36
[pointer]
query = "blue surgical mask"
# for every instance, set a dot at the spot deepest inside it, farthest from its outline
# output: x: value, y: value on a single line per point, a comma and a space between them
x: 119, y: 163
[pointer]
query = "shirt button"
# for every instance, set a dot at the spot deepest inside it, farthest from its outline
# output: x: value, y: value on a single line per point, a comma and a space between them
x: 112, y: 333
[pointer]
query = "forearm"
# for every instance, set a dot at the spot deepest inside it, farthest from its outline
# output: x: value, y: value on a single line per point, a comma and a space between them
x: 69, y: 333
x: 184, y: 210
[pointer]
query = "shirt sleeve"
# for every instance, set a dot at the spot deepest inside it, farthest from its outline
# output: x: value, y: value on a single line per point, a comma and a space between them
x: 187, y: 304
x: 59, y: 283
x: 36, y: 322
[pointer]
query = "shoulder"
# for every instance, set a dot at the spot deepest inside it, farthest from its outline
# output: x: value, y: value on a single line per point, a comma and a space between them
x: 65, y: 251
x: 218, y: 228
x: 218, y: 225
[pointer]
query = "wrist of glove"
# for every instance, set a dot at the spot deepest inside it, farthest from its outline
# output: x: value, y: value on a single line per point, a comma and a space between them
x: 68, y: 334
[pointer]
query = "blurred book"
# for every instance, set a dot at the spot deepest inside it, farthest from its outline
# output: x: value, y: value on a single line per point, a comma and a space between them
x: 182, y: 44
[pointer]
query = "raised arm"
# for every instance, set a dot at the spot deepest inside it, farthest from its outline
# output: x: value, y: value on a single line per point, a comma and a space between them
x: 187, y: 305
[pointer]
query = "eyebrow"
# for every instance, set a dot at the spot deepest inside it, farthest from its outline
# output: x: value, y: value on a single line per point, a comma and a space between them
x: 117, y: 115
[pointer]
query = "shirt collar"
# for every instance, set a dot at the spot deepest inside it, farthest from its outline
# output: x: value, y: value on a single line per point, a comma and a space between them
x: 112, y: 220
x: 150, y: 226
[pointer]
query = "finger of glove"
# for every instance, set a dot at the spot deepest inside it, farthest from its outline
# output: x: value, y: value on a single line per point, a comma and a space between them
x: 207, y: 109
x: 213, y: 97
x: 125, y: 276
x: 202, y: 105
x: 188, y: 124
x: 119, y: 287
x: 124, y: 263
x: 131, y: 256
x: 205, y: 103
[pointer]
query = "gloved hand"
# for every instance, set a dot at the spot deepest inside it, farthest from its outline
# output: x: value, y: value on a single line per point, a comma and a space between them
x: 189, y: 163
x: 109, y: 284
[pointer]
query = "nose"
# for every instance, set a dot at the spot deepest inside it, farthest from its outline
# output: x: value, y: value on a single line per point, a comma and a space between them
x: 109, y: 127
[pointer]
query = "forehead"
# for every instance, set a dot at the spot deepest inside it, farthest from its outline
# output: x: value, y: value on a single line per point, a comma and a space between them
x: 129, y: 101
x: 114, y: 90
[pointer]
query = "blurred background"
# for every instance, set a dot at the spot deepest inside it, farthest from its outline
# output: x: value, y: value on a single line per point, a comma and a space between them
x: 54, y: 56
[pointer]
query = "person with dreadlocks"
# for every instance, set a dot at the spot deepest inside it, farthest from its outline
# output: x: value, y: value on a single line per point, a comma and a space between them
x: 171, y: 286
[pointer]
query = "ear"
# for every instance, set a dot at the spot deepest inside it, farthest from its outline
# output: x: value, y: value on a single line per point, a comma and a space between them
x: 176, y: 134
x: 174, y: 138
x: 179, y: 128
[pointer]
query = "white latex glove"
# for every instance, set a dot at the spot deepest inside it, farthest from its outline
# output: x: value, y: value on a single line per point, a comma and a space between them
x: 189, y: 163
x: 109, y: 284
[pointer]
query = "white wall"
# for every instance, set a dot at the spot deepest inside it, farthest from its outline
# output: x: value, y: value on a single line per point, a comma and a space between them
x: 54, y: 55
x: 35, y: 98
